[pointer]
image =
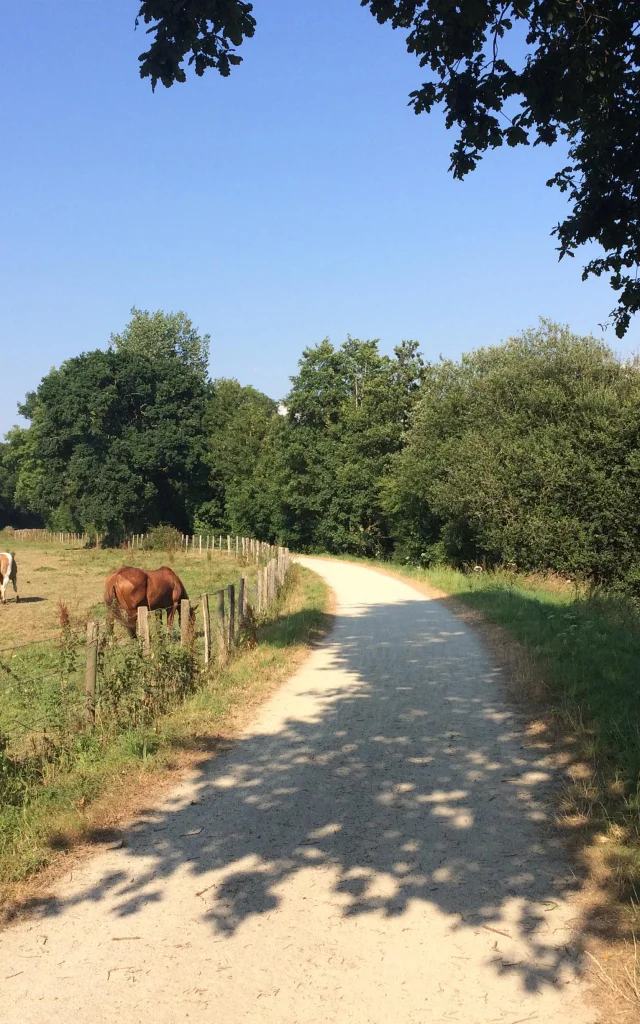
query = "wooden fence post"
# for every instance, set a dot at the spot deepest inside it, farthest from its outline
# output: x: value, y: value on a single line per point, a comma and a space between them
x: 92, y: 671
x: 222, y: 646
x: 185, y: 621
x: 200, y: 538
x: 242, y: 601
x: 259, y: 594
x: 143, y: 628
x: 231, y: 618
x: 207, y: 628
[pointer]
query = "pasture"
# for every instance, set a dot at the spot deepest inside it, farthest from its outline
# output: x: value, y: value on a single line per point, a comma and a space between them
x: 42, y: 655
x: 59, y: 779
x: 50, y: 573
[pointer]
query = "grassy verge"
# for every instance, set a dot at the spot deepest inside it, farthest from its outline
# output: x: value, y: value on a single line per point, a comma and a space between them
x: 109, y: 776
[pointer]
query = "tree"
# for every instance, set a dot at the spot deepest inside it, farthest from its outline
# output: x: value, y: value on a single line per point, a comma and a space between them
x: 116, y: 438
x: 163, y: 336
x: 316, y: 484
x: 10, y: 457
x: 578, y: 77
x: 237, y: 421
x: 526, y: 453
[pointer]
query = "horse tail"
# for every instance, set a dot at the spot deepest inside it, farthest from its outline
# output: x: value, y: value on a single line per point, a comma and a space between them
x: 113, y: 605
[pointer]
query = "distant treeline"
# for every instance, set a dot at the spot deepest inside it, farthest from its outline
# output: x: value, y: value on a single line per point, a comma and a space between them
x: 525, y: 453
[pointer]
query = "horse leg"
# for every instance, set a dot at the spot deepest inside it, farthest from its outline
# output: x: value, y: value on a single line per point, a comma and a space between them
x: 5, y: 581
x: 170, y: 617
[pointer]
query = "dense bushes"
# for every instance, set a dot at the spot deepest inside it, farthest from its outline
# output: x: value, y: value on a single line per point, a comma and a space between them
x: 525, y: 453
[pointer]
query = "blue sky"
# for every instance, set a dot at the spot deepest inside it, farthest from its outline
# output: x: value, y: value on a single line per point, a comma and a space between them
x: 298, y: 199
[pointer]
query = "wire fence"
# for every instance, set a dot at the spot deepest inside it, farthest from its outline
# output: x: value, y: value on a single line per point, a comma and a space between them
x: 248, y: 548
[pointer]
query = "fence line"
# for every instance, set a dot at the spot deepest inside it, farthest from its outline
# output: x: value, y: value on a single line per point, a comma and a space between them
x: 232, y: 611
x: 57, y: 537
x: 248, y: 548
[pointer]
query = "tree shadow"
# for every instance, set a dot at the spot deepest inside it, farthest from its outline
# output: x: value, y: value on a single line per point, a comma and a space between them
x: 407, y: 775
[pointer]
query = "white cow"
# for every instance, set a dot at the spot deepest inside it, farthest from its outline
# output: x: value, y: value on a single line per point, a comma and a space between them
x: 8, y: 573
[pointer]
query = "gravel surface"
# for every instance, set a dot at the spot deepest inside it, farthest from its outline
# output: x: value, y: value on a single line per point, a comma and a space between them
x: 375, y: 848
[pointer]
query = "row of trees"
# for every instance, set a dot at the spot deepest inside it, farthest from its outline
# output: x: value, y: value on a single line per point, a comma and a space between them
x: 526, y: 453
x: 133, y: 436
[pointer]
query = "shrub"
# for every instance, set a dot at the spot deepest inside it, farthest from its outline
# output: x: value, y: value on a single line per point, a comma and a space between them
x: 163, y: 538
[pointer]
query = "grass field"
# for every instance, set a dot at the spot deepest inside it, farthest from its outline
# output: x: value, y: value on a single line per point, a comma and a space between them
x: 60, y: 782
x: 42, y: 666
x: 49, y: 573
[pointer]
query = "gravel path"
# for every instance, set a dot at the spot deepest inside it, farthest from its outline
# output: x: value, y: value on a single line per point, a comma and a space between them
x: 373, y: 849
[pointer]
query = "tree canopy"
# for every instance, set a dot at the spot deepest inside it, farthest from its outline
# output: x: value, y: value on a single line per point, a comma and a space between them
x: 576, y: 76
x: 316, y: 484
x: 525, y: 453
x: 115, y: 441
x: 237, y: 421
x: 163, y: 336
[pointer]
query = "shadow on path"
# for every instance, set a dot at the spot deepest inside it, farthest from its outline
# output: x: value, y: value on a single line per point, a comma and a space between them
x: 405, y: 772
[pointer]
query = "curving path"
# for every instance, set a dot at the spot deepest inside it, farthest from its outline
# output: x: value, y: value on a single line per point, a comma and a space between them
x: 373, y: 849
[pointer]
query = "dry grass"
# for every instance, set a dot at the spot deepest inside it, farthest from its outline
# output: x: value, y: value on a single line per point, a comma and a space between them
x: 51, y: 574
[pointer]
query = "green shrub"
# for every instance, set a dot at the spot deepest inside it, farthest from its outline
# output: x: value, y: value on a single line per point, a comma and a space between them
x: 163, y: 538
x: 135, y: 688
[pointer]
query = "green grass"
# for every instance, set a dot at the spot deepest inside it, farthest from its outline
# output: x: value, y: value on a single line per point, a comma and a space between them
x: 51, y: 803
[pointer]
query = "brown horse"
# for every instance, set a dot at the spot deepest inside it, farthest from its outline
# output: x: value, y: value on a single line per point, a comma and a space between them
x: 127, y: 589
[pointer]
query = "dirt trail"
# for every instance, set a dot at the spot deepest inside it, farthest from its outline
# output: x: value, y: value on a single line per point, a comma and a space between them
x: 374, y: 848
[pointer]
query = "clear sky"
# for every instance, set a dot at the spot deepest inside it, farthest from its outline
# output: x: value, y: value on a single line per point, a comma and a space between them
x: 298, y: 199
